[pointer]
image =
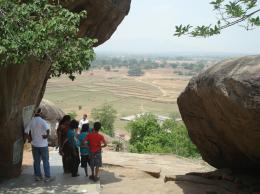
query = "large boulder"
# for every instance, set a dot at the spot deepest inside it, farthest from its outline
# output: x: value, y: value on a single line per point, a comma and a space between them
x: 103, y: 16
x: 221, y: 109
x: 22, y: 86
x: 50, y: 111
x: 52, y: 114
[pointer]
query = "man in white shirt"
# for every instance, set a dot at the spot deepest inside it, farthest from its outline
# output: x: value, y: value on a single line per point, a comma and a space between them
x: 83, y: 121
x: 38, y: 132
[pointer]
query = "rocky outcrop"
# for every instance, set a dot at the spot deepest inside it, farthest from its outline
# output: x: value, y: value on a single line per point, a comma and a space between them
x: 103, y: 16
x: 221, y: 109
x: 52, y: 114
x: 23, y: 85
x: 21, y: 88
x: 50, y: 111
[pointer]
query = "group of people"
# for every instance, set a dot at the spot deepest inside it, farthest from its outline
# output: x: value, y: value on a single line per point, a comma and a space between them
x: 77, y: 142
x: 80, y: 144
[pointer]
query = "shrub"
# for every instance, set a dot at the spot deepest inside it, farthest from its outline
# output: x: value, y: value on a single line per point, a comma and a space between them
x: 144, y: 126
x: 135, y: 71
x: 107, y: 68
x: 107, y: 131
x: 174, y: 65
x: 147, y: 136
x: 106, y: 115
x: 72, y: 114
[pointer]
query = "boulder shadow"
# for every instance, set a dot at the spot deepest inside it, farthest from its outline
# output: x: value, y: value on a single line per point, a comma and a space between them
x: 63, y: 183
x: 192, y: 184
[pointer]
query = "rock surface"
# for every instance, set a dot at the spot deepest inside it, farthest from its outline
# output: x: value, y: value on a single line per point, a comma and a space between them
x: 221, y: 109
x: 128, y: 173
x: 23, y: 86
x: 50, y: 111
x: 157, y: 166
x: 103, y: 16
x: 120, y: 174
x: 52, y: 114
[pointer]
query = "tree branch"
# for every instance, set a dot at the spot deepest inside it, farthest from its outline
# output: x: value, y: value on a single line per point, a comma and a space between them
x: 239, y: 20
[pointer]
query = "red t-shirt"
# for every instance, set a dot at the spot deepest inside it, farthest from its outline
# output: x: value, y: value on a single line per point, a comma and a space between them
x: 95, y: 140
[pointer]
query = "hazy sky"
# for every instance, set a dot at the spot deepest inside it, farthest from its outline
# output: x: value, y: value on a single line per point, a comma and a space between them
x: 149, y: 28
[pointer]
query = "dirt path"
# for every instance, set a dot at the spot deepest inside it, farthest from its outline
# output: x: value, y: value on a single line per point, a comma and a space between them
x: 164, y: 93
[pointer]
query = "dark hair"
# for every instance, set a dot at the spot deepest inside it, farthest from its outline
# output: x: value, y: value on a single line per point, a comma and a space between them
x: 64, y: 119
x: 97, y: 126
x: 85, y: 128
x: 74, y: 124
x: 38, y: 112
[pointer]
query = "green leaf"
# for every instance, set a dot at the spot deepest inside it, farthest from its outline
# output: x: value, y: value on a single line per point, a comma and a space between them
x: 37, y: 28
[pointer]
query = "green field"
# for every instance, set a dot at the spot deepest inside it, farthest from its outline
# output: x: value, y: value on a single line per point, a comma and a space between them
x: 126, y: 94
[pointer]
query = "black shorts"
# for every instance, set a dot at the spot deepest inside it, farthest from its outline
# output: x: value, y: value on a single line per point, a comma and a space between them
x: 85, y: 161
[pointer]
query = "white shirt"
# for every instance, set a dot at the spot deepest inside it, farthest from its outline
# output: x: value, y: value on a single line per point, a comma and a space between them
x: 38, y: 127
x: 82, y: 122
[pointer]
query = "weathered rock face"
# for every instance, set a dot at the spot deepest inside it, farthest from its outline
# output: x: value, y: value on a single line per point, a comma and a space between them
x: 22, y: 86
x: 50, y: 111
x: 103, y: 16
x: 52, y: 114
x: 221, y: 109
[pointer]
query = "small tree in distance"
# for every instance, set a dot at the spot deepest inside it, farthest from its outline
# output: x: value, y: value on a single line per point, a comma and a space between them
x: 106, y: 114
x: 135, y: 71
x: 107, y: 68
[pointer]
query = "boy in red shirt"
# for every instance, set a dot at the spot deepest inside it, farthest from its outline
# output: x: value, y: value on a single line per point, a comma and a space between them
x: 96, y: 143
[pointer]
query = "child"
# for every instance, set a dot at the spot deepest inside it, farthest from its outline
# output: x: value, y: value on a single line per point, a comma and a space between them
x: 84, y: 148
x: 95, y: 143
x: 74, y: 145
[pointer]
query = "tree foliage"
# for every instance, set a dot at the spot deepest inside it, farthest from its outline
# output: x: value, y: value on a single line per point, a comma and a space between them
x: 148, y: 136
x: 35, y: 28
x: 143, y: 127
x: 106, y: 115
x: 243, y: 12
x: 135, y: 71
x: 72, y: 114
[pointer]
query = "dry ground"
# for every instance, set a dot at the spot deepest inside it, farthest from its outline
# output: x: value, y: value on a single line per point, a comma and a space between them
x: 128, y: 173
x: 156, y: 91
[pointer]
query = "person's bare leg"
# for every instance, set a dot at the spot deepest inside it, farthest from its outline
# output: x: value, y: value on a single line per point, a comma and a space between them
x: 86, y: 171
x: 92, y: 176
x: 97, y: 172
